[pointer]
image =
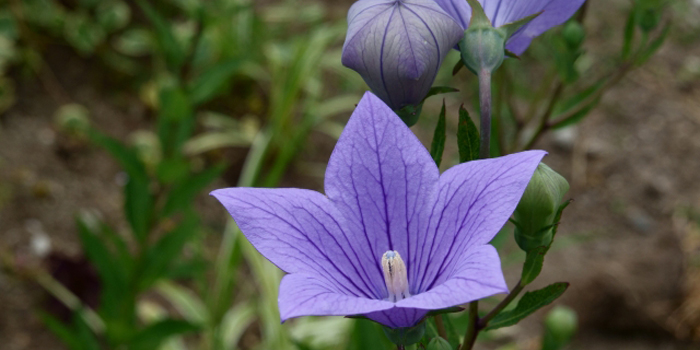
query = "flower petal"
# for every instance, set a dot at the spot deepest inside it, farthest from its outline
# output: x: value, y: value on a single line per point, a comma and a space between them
x: 303, y: 294
x: 473, y: 202
x: 554, y: 12
x: 398, y: 46
x: 380, y: 178
x: 300, y: 231
x: 477, y: 275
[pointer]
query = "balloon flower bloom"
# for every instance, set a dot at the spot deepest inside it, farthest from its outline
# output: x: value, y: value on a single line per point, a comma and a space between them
x: 501, y: 12
x: 392, y: 239
x: 397, y: 46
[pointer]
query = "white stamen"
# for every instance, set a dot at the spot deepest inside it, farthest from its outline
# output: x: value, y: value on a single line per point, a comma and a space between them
x: 395, y: 276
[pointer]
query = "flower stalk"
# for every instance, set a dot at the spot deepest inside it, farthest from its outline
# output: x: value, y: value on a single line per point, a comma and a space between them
x: 485, y: 108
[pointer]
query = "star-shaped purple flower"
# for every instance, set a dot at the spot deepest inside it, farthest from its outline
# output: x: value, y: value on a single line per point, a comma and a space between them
x: 392, y: 238
x: 500, y: 12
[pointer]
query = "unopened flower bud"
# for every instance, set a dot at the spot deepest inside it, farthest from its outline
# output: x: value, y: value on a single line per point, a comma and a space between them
x: 561, y: 325
x: 147, y: 147
x: 439, y: 343
x: 398, y: 46
x: 537, y: 209
x: 483, y: 48
x: 574, y: 34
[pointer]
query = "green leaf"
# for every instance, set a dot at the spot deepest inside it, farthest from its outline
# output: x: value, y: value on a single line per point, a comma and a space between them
x: 513, y: 27
x: 175, y: 119
x: 183, y: 194
x: 368, y: 335
x: 174, y: 54
x: 438, y: 145
x: 138, y: 207
x: 529, y: 303
x: 467, y: 137
x: 63, y: 332
x: 458, y: 66
x: 210, y: 83
x: 162, y: 255
x: 630, y: 27
x: 111, y: 272
x: 87, y: 339
x: 654, y: 46
x: 155, y: 334
x: 478, y: 15
x: 126, y: 156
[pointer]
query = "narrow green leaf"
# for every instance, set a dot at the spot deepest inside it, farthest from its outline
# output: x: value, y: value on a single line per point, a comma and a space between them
x: 654, y: 46
x: 528, y: 304
x: 210, y: 83
x: 628, y: 40
x: 111, y: 272
x: 175, y: 119
x: 174, y: 54
x: 63, y: 332
x: 576, y: 117
x: 87, y: 339
x: 438, y: 145
x: 183, y: 194
x: 161, y: 255
x: 457, y: 67
x: 138, y: 207
x: 467, y: 137
x: 126, y: 156
x: 155, y: 334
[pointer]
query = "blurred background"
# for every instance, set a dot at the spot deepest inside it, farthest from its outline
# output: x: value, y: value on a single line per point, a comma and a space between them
x: 117, y: 117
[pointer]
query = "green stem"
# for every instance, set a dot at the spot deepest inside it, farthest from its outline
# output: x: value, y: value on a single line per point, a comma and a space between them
x: 485, y: 108
x: 472, y: 326
x: 502, y: 305
x: 440, y: 326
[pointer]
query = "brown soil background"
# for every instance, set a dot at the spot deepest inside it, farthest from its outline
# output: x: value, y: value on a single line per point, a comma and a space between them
x: 626, y: 244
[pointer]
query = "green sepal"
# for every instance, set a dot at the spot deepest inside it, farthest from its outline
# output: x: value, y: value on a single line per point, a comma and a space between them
x: 410, y: 114
x: 535, y: 257
x: 513, y: 27
x: 405, y: 335
x: 478, y: 15
x: 448, y: 310
x: 439, y: 343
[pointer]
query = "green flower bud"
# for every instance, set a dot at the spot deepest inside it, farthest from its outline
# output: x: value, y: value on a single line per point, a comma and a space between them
x: 535, y: 213
x: 405, y: 336
x: 574, y: 34
x: 439, y: 344
x: 561, y: 325
x: 483, y: 47
x: 73, y: 119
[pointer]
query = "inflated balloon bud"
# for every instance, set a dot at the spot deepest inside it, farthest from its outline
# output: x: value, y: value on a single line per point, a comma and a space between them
x: 439, y: 344
x: 534, y: 216
x: 561, y: 325
x: 73, y: 119
x: 483, y: 46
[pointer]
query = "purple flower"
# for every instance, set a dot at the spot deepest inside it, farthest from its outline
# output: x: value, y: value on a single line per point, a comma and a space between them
x: 500, y: 12
x: 397, y: 46
x: 392, y: 238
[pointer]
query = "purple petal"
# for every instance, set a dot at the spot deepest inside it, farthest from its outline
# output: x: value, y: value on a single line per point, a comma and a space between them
x: 303, y: 294
x: 398, y: 46
x: 473, y: 202
x: 381, y: 177
x: 477, y: 275
x: 502, y: 12
x: 300, y: 231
